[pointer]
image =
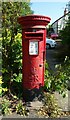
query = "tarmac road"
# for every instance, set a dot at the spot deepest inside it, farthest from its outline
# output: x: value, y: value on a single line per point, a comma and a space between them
x: 50, y: 57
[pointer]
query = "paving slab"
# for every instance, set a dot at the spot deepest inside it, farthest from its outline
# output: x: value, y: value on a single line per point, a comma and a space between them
x: 64, y: 103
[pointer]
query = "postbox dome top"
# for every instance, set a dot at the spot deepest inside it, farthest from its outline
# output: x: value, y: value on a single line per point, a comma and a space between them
x: 33, y: 20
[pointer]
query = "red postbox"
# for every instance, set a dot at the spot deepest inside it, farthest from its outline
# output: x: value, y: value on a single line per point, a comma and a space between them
x: 33, y: 48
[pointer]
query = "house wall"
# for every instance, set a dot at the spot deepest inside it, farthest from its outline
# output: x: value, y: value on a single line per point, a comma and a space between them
x: 60, y: 23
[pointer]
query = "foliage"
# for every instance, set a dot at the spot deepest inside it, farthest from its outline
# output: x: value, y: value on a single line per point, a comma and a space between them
x: 13, y: 105
x: 27, y: 9
x: 0, y: 55
x: 65, y: 33
x: 59, y: 81
x: 2, y: 90
x: 64, y: 47
x: 6, y: 110
x: 64, y: 72
x: 50, y: 108
x: 12, y: 41
x: 20, y: 109
x: 12, y: 59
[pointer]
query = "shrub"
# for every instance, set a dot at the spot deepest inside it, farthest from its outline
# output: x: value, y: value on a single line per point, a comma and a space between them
x: 2, y: 90
x: 58, y: 81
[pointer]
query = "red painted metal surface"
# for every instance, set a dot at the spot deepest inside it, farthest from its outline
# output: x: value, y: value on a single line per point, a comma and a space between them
x: 33, y: 65
x: 33, y: 20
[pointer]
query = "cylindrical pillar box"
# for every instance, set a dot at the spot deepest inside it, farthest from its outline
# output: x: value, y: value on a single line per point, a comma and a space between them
x: 33, y: 48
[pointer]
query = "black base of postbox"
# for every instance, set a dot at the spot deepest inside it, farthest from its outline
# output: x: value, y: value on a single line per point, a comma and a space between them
x: 30, y: 95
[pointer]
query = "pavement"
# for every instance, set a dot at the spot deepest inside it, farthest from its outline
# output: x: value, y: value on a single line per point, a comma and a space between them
x: 63, y: 103
x: 34, y: 106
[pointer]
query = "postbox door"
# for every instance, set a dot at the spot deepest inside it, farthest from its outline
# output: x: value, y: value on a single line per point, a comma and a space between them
x: 33, y: 63
x: 36, y: 64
